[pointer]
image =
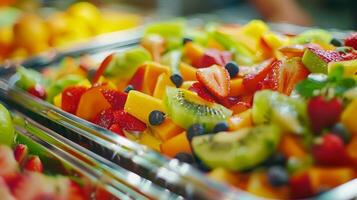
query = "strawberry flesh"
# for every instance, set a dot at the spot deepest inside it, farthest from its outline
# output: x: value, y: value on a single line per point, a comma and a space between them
x: 214, y: 57
x: 128, y: 122
x: 137, y: 80
x: 202, y: 91
x: 254, y: 81
x: 215, y: 79
x: 323, y: 113
x: 104, y: 118
x: 301, y: 186
x: 37, y: 91
x: 326, y: 56
x: 71, y: 97
x: 115, y: 98
x: 34, y: 164
x: 330, y: 151
x: 116, y: 129
x: 103, y: 66
x: 20, y: 152
x: 351, y: 40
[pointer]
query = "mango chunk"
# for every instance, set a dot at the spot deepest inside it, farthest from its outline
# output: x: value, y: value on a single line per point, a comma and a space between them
x: 167, y: 130
x: 146, y: 138
x: 188, y: 72
x: 152, y: 72
x: 348, y: 117
x: 241, y: 120
x: 258, y: 184
x: 140, y: 105
x: 349, y: 67
x: 237, y: 87
x: 162, y: 82
x: 175, y: 145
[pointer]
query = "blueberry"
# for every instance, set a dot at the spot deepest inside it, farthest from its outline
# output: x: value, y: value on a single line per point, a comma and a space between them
x: 156, y: 117
x: 232, y: 68
x: 222, y: 126
x: 184, y: 157
x: 128, y: 88
x: 277, y: 176
x: 336, y: 42
x: 186, y: 39
x: 275, y: 159
x: 176, y: 79
x: 341, y: 132
x: 195, y: 130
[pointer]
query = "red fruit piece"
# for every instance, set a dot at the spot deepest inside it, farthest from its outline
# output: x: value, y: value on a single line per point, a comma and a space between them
x: 352, y: 55
x: 215, y: 79
x: 301, y: 186
x: 20, y: 152
x: 34, y: 164
x: 201, y: 91
x: 116, y: 129
x: 5, y: 190
x: 229, y: 101
x: 37, y: 91
x: 254, y: 81
x: 293, y: 71
x: 104, y: 118
x: 70, y: 98
x: 75, y: 191
x: 8, y: 164
x: 330, y: 151
x: 138, y: 78
x: 326, y: 56
x: 128, y: 122
x: 323, y: 113
x: 103, y: 66
x: 214, y: 57
x: 274, y: 78
x: 351, y: 40
x: 115, y: 98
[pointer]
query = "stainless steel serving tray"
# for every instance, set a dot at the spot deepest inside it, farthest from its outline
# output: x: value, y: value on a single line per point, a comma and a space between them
x: 179, y: 178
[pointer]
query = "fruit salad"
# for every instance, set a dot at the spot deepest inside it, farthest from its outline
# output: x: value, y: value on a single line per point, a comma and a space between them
x: 27, y: 173
x: 269, y: 113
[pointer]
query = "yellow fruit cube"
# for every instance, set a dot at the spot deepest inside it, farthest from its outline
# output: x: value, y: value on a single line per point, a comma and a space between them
x: 348, y: 117
x: 146, y: 138
x: 140, y: 105
x: 57, y: 100
x: 162, y: 81
x: 167, y: 130
x: 152, y: 72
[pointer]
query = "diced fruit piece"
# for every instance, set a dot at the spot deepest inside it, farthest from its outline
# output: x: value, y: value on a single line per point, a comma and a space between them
x: 258, y: 185
x: 215, y: 79
x: 140, y: 105
x: 176, y: 144
x: 238, y: 150
x: 116, y: 99
x: 124, y: 64
x: 201, y: 91
x: 20, y: 152
x: 253, y: 81
x: 292, y: 51
x: 224, y: 176
x: 146, y: 138
x: 290, y: 146
x: 71, y: 97
x: 348, y: 117
x: 186, y: 108
x: 349, y: 67
x: 75, y: 191
x: 241, y: 120
x: 34, y: 164
x: 155, y: 44
x: 351, y: 40
x: 59, y: 85
x: 351, y: 149
x: 316, y: 60
x: 188, y: 72
x: 213, y: 57
x: 28, y: 78
x: 274, y: 80
x: 327, y: 178
x: 8, y: 164
x: 240, y: 107
x: 273, y: 107
x: 314, y: 35
x: 37, y: 91
x: 162, y: 82
x: 5, y: 190
x: 104, y: 118
x: 138, y: 78
x: 330, y: 151
x: 103, y: 66
x: 166, y: 130
x: 128, y: 122
x: 7, y: 131
x: 293, y: 72
x: 301, y: 186
x: 193, y: 52
x: 116, y: 129
x: 171, y: 31
x: 92, y: 102
x: 323, y: 113
x: 237, y: 87
x: 152, y: 72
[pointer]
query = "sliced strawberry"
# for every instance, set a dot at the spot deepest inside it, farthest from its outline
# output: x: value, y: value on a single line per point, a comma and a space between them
x: 70, y: 98
x: 104, y: 118
x: 351, y: 40
x: 253, y: 81
x: 38, y: 91
x: 116, y: 129
x: 326, y: 56
x: 352, y: 55
x: 301, y: 186
x: 323, y: 113
x: 274, y: 78
x: 214, y: 57
x: 240, y: 107
x: 294, y: 71
x: 202, y: 91
x: 20, y: 152
x: 103, y: 66
x: 128, y: 122
x: 229, y: 101
x: 138, y: 78
x: 75, y: 192
x: 34, y: 164
x: 215, y: 79
x: 115, y: 98
x: 330, y: 150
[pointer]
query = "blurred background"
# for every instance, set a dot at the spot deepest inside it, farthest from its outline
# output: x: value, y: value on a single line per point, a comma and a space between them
x: 28, y: 27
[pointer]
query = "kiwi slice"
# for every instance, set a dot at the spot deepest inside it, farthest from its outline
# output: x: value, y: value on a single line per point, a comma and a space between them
x: 239, y: 150
x: 186, y: 108
x: 270, y: 107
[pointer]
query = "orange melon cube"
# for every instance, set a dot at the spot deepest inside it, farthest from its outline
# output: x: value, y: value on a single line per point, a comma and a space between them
x: 166, y: 130
x: 152, y: 72
x: 241, y: 120
x: 188, y: 72
x: 175, y: 145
